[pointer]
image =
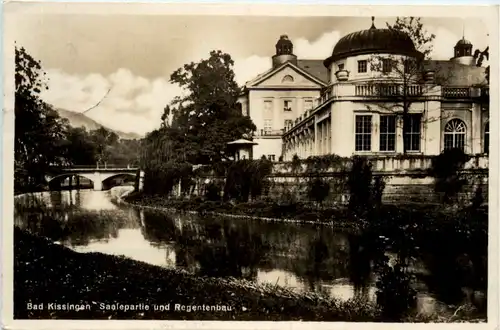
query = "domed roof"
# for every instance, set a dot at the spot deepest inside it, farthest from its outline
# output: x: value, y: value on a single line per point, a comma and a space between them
x: 463, y: 42
x: 283, y: 40
x: 373, y: 41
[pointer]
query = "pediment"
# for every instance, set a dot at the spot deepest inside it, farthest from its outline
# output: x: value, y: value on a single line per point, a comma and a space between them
x: 285, y: 76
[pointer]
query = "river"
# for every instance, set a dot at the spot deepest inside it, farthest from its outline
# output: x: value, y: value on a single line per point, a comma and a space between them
x: 300, y: 257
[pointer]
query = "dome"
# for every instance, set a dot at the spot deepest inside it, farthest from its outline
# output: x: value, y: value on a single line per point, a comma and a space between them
x: 284, y: 45
x: 284, y: 52
x: 463, y: 42
x: 373, y: 41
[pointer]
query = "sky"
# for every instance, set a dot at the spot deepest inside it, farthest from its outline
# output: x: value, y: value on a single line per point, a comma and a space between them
x: 132, y: 56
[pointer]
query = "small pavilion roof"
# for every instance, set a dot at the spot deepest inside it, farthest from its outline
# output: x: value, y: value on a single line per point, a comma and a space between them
x: 242, y: 142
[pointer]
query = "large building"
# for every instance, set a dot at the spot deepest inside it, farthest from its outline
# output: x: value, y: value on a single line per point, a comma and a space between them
x: 370, y: 97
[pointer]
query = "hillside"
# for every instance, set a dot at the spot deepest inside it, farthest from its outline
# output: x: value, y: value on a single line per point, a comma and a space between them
x: 80, y: 120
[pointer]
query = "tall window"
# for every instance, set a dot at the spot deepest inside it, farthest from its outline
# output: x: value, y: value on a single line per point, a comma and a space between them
x: 411, y: 134
x: 363, y: 133
x: 362, y: 66
x: 386, y: 65
x: 287, y: 105
x: 388, y: 133
x: 409, y: 65
x: 268, y: 125
x: 268, y: 109
x: 486, y: 141
x: 454, y: 134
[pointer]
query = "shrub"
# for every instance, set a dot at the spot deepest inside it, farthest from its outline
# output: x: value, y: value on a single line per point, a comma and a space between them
x: 394, y: 292
x: 212, y: 192
x: 446, y: 169
x: 318, y: 190
x: 246, y: 178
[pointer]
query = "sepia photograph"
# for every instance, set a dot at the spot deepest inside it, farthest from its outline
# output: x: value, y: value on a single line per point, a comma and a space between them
x: 317, y: 165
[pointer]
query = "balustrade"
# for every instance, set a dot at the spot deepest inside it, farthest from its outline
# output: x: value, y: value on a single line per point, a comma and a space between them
x: 273, y: 132
x: 456, y: 92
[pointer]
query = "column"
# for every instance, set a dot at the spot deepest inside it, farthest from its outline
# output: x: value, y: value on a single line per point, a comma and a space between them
x: 399, y: 135
x: 140, y: 186
x: 329, y: 135
x: 376, y: 132
x: 316, y: 138
x: 476, y: 131
x: 431, y: 125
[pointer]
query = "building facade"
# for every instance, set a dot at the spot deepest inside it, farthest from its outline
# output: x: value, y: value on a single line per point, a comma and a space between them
x: 375, y: 95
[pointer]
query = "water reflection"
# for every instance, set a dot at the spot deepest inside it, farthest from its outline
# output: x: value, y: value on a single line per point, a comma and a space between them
x: 301, y: 257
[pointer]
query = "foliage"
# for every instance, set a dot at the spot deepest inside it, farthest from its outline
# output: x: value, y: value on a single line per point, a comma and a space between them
x: 323, y: 163
x: 246, y: 178
x: 479, y: 57
x: 318, y: 190
x: 208, y: 118
x: 39, y: 131
x: 161, y: 178
x: 394, y: 292
x: 414, y: 28
x: 360, y: 188
x: 447, y: 171
x: 296, y: 164
x: 213, y: 192
x: 196, y: 127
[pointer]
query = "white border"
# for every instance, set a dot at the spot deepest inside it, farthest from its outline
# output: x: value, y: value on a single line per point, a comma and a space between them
x: 488, y: 13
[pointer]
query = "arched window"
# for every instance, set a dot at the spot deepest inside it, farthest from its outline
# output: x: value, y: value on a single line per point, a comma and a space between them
x: 486, y: 141
x: 454, y: 134
x: 287, y: 79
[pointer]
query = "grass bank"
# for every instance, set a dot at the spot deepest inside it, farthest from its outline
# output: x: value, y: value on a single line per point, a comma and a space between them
x: 425, y: 217
x: 48, y: 273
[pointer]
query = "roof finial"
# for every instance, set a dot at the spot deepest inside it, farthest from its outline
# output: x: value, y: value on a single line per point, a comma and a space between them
x: 463, y: 31
x: 373, y: 23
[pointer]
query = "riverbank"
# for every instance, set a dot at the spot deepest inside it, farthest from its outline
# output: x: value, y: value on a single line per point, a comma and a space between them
x: 47, y: 273
x: 419, y: 217
x: 59, y: 280
x: 94, y: 275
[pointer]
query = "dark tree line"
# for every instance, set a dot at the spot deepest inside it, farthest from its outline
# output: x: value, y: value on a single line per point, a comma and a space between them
x: 44, y: 140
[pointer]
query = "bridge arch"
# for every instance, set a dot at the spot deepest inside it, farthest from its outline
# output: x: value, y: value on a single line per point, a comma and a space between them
x: 106, y: 179
x: 98, y: 176
x: 51, y: 180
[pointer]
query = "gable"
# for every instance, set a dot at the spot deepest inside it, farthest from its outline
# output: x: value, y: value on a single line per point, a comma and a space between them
x: 289, y: 76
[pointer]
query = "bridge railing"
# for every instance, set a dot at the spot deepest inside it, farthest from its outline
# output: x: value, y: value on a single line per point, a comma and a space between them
x: 102, y: 166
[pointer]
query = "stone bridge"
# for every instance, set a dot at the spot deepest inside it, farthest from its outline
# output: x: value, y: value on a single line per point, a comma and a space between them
x: 95, y: 174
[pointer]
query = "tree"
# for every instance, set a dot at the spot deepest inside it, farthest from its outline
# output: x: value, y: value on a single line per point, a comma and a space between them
x: 39, y: 131
x: 208, y: 117
x: 414, y: 28
x: 480, y: 56
x: 80, y: 148
x: 401, y: 80
x: 103, y: 141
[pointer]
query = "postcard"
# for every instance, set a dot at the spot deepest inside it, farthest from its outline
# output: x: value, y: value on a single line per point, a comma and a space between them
x: 215, y: 165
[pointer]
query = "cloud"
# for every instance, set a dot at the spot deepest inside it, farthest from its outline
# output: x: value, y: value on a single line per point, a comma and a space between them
x: 132, y: 103
x: 320, y: 48
x: 248, y: 68
x: 128, y: 102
